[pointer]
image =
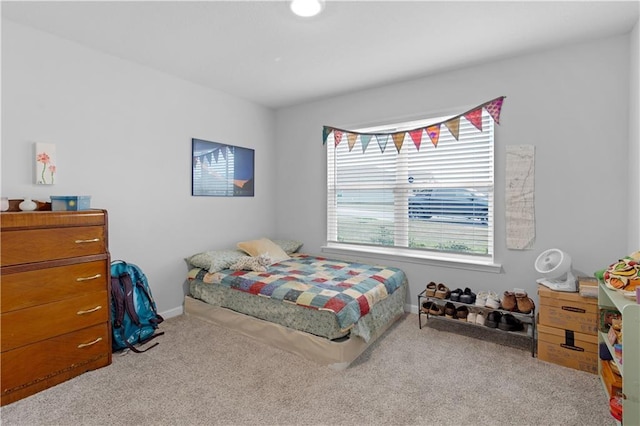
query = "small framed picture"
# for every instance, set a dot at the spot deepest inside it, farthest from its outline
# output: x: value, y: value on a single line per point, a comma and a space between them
x: 45, y: 163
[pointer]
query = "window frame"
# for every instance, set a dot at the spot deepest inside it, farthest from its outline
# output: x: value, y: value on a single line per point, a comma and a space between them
x: 414, y: 255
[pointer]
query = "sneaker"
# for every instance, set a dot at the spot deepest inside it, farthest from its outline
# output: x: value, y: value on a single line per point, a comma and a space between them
x: 481, y: 298
x: 492, y: 301
x: 471, y: 317
x: 480, y: 318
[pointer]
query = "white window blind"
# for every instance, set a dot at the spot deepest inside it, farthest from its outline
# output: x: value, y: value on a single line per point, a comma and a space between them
x: 435, y: 199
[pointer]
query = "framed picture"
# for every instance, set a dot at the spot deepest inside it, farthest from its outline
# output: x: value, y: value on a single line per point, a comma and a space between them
x: 45, y: 163
x: 221, y: 170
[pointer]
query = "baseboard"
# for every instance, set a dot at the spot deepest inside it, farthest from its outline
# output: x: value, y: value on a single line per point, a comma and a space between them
x: 413, y: 309
x: 172, y: 312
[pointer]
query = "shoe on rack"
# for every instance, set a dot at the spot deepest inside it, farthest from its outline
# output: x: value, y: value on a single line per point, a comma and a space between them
x: 462, y: 312
x: 524, y: 303
x: 426, y: 306
x: 455, y: 295
x: 442, y: 291
x: 431, y: 289
x: 472, y: 317
x: 480, y: 318
x: 481, y: 298
x: 510, y: 323
x: 508, y: 301
x: 436, y: 310
x: 450, y: 310
x: 468, y: 296
x: 493, y: 319
x: 492, y: 301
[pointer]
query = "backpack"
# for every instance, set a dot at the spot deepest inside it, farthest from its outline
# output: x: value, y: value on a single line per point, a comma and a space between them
x: 134, y: 317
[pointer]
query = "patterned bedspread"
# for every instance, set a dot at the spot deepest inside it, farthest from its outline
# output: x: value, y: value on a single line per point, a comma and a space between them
x: 347, y: 289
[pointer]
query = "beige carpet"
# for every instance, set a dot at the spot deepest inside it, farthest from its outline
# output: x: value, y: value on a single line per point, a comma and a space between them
x: 204, y: 375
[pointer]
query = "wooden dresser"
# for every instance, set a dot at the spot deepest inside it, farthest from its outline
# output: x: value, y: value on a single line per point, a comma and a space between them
x: 54, y: 298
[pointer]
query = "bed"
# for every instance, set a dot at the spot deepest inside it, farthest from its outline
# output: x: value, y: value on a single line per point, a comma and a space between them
x: 326, y: 310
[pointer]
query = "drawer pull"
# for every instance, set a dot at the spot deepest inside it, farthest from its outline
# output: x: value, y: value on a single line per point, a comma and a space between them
x: 95, y: 240
x: 89, y: 278
x: 97, y: 308
x: 84, y: 345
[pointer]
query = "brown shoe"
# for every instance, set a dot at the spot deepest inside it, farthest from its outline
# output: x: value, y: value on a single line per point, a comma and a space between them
x: 524, y: 303
x: 442, y: 292
x: 431, y: 289
x: 450, y: 310
x: 462, y: 312
x: 436, y: 310
x: 508, y: 301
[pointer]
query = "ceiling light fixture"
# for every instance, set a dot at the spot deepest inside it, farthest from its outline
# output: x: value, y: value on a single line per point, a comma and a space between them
x: 307, y: 8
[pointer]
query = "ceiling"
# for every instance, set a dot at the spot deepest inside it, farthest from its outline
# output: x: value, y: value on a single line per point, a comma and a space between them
x: 260, y: 51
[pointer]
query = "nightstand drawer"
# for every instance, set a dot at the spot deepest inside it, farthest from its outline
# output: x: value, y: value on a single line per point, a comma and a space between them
x: 39, y: 245
x: 33, y: 288
x: 68, y: 354
x: 41, y: 322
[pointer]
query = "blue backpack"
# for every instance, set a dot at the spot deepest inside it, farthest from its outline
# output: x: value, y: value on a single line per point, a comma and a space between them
x: 134, y: 317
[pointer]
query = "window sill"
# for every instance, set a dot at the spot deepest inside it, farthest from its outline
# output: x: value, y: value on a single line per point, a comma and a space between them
x: 444, y: 260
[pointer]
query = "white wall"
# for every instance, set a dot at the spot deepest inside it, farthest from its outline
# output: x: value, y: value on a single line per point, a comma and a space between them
x: 571, y: 103
x: 123, y: 135
x: 634, y: 140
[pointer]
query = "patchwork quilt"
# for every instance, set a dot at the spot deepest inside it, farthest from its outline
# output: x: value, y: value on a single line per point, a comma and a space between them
x: 345, y: 288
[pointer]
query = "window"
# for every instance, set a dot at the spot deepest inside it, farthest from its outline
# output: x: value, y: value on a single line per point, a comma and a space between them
x: 431, y: 202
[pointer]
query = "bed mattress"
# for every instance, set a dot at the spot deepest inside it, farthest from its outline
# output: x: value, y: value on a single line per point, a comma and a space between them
x: 329, y: 298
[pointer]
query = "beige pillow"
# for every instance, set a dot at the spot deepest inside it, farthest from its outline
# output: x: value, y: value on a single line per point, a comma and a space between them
x: 264, y: 245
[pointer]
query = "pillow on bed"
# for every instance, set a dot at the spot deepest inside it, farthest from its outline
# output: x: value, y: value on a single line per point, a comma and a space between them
x: 249, y: 263
x: 264, y: 245
x: 289, y: 246
x: 216, y: 260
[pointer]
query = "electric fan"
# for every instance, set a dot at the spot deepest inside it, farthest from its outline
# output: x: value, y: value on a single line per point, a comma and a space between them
x: 555, y: 266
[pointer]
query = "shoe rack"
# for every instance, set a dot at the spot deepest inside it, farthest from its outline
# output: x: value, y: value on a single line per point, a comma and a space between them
x: 630, y: 369
x: 528, y: 319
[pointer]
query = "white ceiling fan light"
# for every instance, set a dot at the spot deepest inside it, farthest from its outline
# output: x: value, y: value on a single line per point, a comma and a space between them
x: 306, y: 8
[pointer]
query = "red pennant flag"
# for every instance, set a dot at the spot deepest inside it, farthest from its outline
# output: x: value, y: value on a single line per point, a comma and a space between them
x: 398, y: 140
x: 493, y: 108
x: 337, y: 137
x: 454, y: 126
x: 434, y: 134
x: 416, y: 137
x: 351, y: 140
x: 475, y: 118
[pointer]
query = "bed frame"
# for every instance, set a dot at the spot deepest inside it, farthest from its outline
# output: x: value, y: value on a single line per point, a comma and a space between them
x: 337, y: 355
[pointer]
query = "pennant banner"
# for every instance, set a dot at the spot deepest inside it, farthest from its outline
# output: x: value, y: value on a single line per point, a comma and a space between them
x: 474, y: 116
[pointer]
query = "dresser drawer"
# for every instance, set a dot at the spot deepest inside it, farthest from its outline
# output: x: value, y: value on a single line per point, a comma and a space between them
x: 41, y: 322
x: 39, y: 245
x: 32, y: 288
x: 69, y: 353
